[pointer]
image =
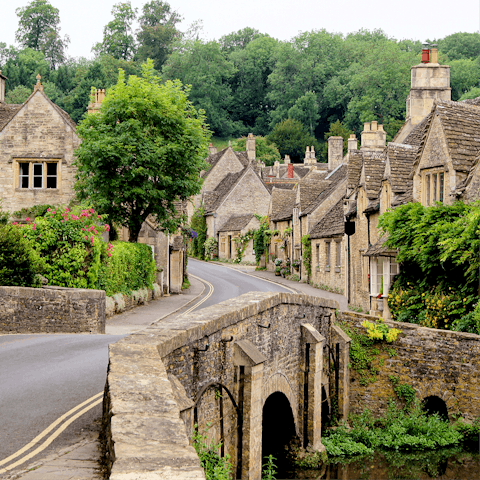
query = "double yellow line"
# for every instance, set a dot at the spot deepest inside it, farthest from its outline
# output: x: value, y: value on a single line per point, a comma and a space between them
x: 205, y: 298
x: 62, y: 423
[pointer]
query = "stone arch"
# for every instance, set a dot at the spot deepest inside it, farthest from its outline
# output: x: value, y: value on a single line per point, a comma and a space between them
x: 434, y: 404
x: 278, y: 430
x: 425, y: 390
x: 278, y: 382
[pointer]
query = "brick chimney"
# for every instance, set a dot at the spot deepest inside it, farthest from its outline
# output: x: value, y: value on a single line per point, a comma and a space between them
x: 212, y: 150
x: 290, y: 170
x: 2, y: 87
x: 335, y: 152
x: 97, y: 96
x: 251, y: 152
x: 373, y: 136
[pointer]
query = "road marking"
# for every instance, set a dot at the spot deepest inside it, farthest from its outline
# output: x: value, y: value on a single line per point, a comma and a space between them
x: 95, y: 399
x: 205, y: 298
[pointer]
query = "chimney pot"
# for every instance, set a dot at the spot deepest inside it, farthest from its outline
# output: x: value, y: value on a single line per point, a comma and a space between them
x: 366, y: 127
x: 374, y: 126
x: 290, y: 170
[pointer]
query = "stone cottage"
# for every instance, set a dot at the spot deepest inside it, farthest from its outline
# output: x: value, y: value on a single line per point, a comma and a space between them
x: 37, y: 144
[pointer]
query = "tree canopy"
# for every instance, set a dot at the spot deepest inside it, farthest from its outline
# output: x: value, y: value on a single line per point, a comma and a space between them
x: 146, y: 147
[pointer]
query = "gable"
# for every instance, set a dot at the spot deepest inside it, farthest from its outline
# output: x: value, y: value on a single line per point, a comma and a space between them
x: 227, y: 163
x: 435, y: 152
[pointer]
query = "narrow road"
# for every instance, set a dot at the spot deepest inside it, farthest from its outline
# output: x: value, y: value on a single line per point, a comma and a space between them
x: 42, y: 377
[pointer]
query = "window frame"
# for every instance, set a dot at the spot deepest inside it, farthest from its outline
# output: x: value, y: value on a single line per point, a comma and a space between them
x: 433, y: 185
x: 32, y: 174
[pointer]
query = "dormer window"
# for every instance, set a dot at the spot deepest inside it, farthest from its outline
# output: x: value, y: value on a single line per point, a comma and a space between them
x: 433, y: 181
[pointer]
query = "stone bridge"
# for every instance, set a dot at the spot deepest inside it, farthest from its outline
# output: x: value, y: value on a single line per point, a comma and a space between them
x: 250, y: 370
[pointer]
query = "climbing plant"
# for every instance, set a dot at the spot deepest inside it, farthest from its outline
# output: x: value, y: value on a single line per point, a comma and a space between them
x: 260, y: 239
x: 199, y: 226
x: 241, y: 245
x: 211, y: 247
x: 307, y: 254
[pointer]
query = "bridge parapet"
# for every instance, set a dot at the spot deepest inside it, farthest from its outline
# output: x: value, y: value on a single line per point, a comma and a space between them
x: 216, y: 366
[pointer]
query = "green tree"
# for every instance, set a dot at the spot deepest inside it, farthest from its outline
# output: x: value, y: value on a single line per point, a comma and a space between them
x: 305, y: 111
x: 464, y: 75
x: 239, y: 40
x: 158, y: 31
x: 39, y: 29
x: 23, y: 68
x: 18, y: 95
x: 203, y: 66
x: 146, y: 147
x: 291, y: 138
x: 266, y: 151
x: 118, y: 37
x: 460, y: 46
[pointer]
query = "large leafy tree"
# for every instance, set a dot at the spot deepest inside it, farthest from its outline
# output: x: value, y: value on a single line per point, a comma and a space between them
x: 39, y: 29
x: 118, y: 37
x: 146, y: 148
x: 158, y: 31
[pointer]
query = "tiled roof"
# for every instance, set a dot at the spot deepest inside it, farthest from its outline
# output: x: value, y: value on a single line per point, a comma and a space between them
x: 334, y: 178
x: 380, y: 250
x: 417, y: 135
x: 212, y: 160
x: 401, y: 158
x: 374, y: 164
x: 403, y: 198
x: 472, y: 101
x: 331, y: 224
x: 284, y: 185
x: 283, y: 202
x: 355, y: 162
x: 7, y: 112
x: 461, y: 124
x: 236, y: 223
x: 212, y: 200
x: 298, y: 168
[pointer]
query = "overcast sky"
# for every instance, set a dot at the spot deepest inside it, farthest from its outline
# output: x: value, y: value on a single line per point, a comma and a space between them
x: 415, y: 19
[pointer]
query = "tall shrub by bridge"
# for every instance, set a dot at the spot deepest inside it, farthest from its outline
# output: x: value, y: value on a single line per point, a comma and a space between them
x: 130, y: 267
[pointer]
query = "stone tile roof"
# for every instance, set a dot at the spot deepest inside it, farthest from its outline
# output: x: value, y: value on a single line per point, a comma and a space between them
x: 331, y: 224
x: 355, y: 163
x: 283, y: 202
x: 403, y: 198
x: 374, y: 164
x: 461, y: 124
x: 236, y: 223
x: 212, y: 160
x: 284, y: 185
x: 7, y: 112
x: 401, y: 158
x: 212, y: 200
x: 298, y: 168
x: 380, y: 250
x: 472, y: 101
x: 334, y: 178
x: 417, y: 135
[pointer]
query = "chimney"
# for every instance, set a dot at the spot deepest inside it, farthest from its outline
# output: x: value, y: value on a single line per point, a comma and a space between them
x: 335, y: 152
x: 434, y: 54
x: 290, y: 170
x: 373, y: 137
x: 426, y: 53
x: 97, y: 96
x: 352, y: 142
x: 212, y: 150
x: 251, y: 153
x: 2, y: 87
x: 276, y: 169
x: 287, y: 160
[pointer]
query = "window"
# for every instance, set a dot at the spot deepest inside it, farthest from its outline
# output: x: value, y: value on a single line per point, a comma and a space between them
x: 327, y: 255
x: 339, y: 254
x: 382, y: 274
x: 295, y: 216
x: 38, y: 175
x: 318, y: 254
x: 433, y: 186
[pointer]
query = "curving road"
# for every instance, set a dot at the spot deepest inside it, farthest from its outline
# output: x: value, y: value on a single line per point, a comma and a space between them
x: 44, y: 376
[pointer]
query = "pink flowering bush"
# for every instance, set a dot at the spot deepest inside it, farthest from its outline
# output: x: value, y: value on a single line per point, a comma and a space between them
x: 69, y: 245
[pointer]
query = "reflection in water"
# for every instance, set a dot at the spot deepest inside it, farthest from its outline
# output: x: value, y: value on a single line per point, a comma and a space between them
x: 446, y: 464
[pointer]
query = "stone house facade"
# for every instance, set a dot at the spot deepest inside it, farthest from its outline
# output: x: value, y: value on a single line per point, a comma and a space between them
x: 233, y: 228
x: 37, y: 144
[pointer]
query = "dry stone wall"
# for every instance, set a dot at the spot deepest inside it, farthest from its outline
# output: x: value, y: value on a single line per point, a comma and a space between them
x: 434, y: 362
x: 51, y: 310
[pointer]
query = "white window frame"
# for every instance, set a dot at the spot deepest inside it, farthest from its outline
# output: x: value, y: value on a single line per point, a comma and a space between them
x: 386, y: 274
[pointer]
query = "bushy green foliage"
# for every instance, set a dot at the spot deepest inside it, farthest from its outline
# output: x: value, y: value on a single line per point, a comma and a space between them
x: 18, y: 260
x: 260, y: 239
x: 4, y: 216
x: 199, y: 234
x: 130, y: 267
x: 216, y: 467
x: 307, y: 254
x: 439, y: 252
x: 33, y: 211
x: 69, y: 245
x: 400, y: 429
x: 211, y: 247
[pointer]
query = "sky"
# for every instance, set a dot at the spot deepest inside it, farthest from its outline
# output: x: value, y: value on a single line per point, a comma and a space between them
x: 281, y: 19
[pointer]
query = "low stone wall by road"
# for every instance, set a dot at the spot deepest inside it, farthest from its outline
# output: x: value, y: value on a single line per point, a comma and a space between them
x: 437, y: 363
x: 51, y: 310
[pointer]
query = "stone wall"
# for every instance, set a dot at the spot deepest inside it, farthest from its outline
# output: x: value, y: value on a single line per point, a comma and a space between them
x: 437, y: 363
x: 51, y: 310
x: 252, y: 345
x: 334, y: 275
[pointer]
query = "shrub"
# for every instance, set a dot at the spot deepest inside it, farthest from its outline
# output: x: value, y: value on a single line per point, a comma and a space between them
x: 199, y: 227
x: 18, y: 261
x: 130, y: 267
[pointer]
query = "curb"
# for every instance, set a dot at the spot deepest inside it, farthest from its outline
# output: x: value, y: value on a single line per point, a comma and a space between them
x: 183, y: 306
